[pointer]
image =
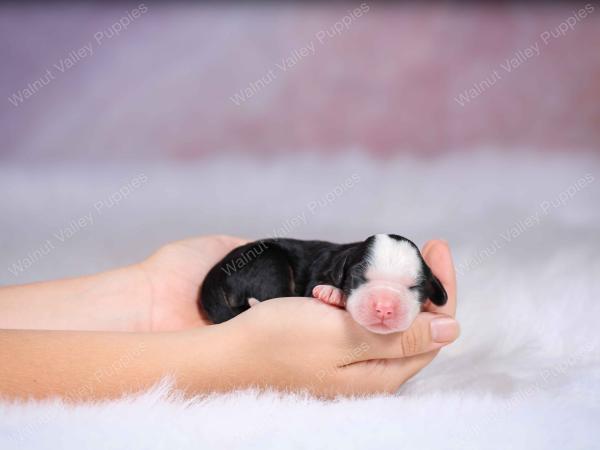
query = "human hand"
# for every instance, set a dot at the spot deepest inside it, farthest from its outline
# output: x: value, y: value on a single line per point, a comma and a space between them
x: 298, y: 344
x: 174, y: 274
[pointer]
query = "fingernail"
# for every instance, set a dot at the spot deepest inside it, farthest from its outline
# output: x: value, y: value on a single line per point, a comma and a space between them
x: 444, y: 329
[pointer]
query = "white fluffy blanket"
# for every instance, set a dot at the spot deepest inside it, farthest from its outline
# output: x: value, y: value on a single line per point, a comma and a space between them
x: 525, y: 230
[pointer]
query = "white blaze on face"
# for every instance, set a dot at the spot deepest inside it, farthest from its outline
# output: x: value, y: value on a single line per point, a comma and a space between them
x: 390, y: 258
x: 384, y: 303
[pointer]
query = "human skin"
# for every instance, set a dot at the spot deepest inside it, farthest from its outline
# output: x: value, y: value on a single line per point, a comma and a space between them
x: 121, y: 331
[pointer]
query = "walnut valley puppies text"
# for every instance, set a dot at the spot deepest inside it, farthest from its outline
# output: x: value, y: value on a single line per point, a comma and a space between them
x: 525, y: 54
x: 313, y: 207
x: 382, y: 281
x: 78, y: 54
x: 525, y: 224
x: 77, y: 224
x: 292, y: 223
x: 291, y: 60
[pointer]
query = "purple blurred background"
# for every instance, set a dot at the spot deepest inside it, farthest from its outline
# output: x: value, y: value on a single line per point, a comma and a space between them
x: 459, y: 120
x: 185, y: 80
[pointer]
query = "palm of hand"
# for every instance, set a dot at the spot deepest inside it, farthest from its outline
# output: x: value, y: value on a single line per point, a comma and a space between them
x: 175, y: 273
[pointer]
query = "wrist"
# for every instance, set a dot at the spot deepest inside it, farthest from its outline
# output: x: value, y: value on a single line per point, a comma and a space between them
x: 211, y: 359
x: 123, y: 297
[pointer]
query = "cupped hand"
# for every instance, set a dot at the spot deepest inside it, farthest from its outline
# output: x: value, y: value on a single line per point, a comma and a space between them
x: 295, y: 343
x: 300, y: 344
x: 174, y: 274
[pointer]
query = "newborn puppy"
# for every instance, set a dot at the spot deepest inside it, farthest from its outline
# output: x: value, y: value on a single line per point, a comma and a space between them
x: 382, y: 282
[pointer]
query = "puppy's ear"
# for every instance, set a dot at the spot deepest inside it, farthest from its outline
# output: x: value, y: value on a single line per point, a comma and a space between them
x: 434, y: 289
x: 338, y: 266
x: 336, y: 271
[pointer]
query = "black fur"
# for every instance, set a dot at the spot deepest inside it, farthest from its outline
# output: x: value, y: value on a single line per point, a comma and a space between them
x: 272, y: 268
x: 429, y: 287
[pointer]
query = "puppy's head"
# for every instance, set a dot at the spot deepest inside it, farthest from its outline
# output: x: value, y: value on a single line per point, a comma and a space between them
x: 386, y: 282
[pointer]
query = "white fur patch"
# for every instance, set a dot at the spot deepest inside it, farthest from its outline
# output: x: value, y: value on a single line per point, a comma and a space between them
x: 393, y: 260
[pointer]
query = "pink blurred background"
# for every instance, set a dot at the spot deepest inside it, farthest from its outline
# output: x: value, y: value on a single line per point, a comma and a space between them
x: 387, y: 81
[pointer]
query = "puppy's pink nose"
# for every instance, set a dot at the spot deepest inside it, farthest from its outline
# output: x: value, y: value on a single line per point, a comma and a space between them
x: 383, y: 309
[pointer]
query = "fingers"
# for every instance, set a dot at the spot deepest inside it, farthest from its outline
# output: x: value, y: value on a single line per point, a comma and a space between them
x: 427, y: 333
x: 436, y: 254
x: 390, y: 360
x: 383, y: 375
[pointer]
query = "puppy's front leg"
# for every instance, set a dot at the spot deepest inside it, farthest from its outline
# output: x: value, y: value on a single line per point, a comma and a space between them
x: 330, y: 295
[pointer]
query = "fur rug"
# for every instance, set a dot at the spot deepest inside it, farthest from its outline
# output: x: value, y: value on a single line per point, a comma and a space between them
x: 525, y: 232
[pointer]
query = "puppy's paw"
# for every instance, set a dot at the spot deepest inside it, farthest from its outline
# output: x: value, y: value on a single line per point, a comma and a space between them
x: 330, y: 295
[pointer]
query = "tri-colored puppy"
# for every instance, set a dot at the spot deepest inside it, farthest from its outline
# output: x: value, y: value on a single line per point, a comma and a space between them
x: 382, y: 282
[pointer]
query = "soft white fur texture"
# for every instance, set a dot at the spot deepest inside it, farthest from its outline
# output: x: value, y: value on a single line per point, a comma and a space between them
x: 525, y: 373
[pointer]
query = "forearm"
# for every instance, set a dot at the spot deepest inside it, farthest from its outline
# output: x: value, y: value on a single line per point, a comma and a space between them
x: 81, y: 366
x: 112, y: 301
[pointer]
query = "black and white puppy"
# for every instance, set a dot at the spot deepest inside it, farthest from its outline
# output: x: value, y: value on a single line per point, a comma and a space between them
x: 382, y: 282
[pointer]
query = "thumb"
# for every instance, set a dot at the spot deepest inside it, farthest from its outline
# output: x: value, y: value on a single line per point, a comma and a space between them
x: 428, y: 332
